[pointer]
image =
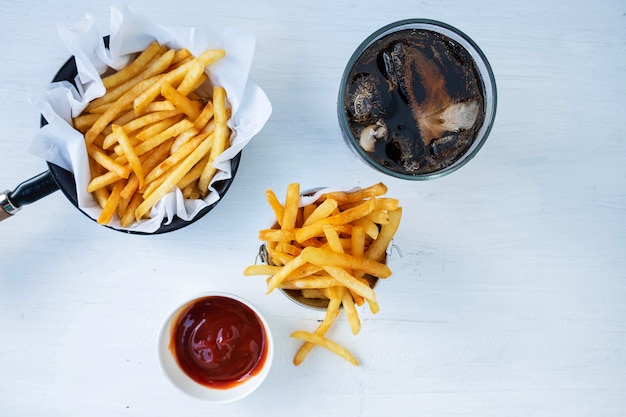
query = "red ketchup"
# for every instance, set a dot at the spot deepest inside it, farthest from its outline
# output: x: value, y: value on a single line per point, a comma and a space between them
x: 219, y: 342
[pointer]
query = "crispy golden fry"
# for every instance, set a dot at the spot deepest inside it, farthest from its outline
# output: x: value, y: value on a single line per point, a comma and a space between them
x: 102, y: 181
x: 183, y: 138
x: 279, y: 277
x: 260, y: 270
x: 192, y: 79
x: 181, y: 102
x: 321, y: 212
x: 129, y: 152
x: 325, y: 343
x: 129, y: 214
x: 134, y: 68
x: 347, y: 302
x: 83, y: 122
x: 377, y: 249
x: 276, y: 235
x: 325, y: 257
x: 332, y: 312
x: 277, y: 207
x: 111, y: 205
x: 375, y: 190
x: 107, y: 162
x: 332, y: 238
x: 290, y: 213
x: 351, y: 282
x: 310, y: 282
x: 220, y: 137
x: 205, y: 116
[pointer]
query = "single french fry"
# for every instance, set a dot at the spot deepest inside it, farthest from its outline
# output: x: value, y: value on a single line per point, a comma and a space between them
x: 181, y: 55
x: 357, y: 242
x: 353, y: 317
x: 220, y: 137
x: 359, y: 194
x: 386, y: 203
x: 276, y: 235
x: 328, y: 258
x: 181, y: 102
x: 129, y: 151
x: 109, y: 209
x: 332, y: 312
x: 134, y: 68
x: 129, y: 214
x: 211, y: 56
x: 103, y: 180
x: 325, y: 343
x: 309, y: 282
x: 275, y: 204
x: 292, y: 199
x: 261, y: 270
x: 83, y: 122
x: 354, y: 284
x: 332, y: 238
x: 205, y: 116
x: 183, y: 138
x: 377, y: 249
x: 280, y: 276
x: 191, y: 80
x: 325, y: 209
x: 107, y: 162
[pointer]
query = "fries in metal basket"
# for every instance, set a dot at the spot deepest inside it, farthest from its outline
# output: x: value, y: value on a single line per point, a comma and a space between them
x: 332, y: 249
x: 154, y: 130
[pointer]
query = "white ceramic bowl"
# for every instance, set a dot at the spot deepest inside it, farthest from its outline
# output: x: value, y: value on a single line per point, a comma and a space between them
x: 198, y: 390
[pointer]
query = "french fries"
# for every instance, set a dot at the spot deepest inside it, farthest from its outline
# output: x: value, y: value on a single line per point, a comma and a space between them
x: 332, y: 249
x: 153, y: 131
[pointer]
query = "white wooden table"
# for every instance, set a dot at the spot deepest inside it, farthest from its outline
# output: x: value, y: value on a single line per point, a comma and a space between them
x: 510, y: 295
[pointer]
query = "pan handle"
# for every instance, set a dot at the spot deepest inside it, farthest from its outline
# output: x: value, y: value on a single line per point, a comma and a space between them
x: 26, y: 193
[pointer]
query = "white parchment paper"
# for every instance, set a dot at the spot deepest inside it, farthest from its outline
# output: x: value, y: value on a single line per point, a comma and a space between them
x: 58, y: 142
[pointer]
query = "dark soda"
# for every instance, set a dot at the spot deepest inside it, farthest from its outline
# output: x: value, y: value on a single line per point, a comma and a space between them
x: 415, y: 101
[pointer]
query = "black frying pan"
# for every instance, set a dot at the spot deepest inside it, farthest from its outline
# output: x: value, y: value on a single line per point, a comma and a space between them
x: 56, y: 178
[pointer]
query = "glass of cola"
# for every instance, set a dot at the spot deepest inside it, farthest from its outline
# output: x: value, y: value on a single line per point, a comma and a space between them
x: 417, y: 99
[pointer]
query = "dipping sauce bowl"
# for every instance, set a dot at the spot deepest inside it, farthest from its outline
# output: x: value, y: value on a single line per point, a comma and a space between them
x: 216, y: 347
